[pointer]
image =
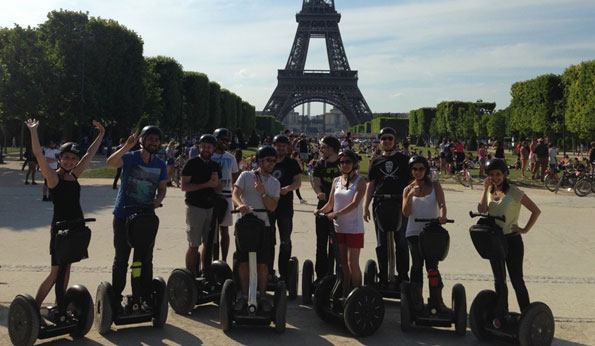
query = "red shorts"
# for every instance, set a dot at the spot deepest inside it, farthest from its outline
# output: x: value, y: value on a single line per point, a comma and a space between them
x: 353, y: 240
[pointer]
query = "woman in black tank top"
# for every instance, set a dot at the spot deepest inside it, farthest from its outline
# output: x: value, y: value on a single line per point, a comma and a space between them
x: 64, y: 189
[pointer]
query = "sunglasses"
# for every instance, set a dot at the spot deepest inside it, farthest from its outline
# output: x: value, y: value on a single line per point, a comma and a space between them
x: 418, y: 168
x: 344, y: 162
x: 387, y: 138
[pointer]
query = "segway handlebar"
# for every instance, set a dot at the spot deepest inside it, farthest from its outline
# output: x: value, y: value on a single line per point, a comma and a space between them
x: 495, y: 217
x: 323, y: 215
x: 235, y: 211
x: 434, y: 220
x: 387, y: 196
x: 66, y: 223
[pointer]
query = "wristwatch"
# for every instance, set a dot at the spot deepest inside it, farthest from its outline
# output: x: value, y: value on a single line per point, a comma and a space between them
x: 263, y: 195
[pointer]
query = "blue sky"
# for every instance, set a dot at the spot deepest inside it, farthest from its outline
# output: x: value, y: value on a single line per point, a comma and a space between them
x: 409, y: 54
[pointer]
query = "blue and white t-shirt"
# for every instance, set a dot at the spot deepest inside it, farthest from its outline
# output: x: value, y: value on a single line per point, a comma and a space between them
x: 229, y: 166
x: 139, y: 182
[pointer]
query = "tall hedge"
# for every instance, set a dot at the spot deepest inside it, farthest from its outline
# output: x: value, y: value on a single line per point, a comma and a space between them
x: 580, y: 99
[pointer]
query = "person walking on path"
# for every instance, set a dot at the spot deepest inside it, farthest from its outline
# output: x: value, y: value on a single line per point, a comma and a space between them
x: 294, y: 155
x: 31, y: 164
x: 344, y: 208
x: 541, y: 153
x: 324, y: 173
x: 144, y: 182
x: 229, y: 175
x: 499, y: 198
x: 423, y: 199
x: 482, y: 155
x: 201, y: 181
x: 389, y: 174
x: 66, y: 191
x: 524, y: 157
x: 119, y: 169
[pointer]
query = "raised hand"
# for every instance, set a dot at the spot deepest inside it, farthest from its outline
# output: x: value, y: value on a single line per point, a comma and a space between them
x: 32, y: 124
x: 131, y: 141
x: 98, y: 126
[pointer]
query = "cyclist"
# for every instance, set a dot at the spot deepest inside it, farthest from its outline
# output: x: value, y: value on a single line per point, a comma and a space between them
x: 143, y: 173
x: 499, y: 198
x: 423, y: 199
x: 65, y: 191
x: 389, y: 174
x: 324, y: 173
x: 229, y: 175
x: 201, y: 182
x: 288, y: 172
x: 257, y: 189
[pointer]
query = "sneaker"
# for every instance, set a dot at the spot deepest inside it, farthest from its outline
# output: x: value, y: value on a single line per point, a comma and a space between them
x: 303, y: 201
x: 265, y: 305
x: 241, y: 304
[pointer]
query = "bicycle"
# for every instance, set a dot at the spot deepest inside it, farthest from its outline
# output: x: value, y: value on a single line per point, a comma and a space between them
x: 584, y: 185
x: 464, y: 176
x: 554, y: 183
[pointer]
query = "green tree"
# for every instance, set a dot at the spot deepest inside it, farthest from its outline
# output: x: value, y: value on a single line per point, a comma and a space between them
x: 196, y: 106
x: 214, y: 106
x: 496, y: 124
x: 580, y: 99
x: 170, y: 78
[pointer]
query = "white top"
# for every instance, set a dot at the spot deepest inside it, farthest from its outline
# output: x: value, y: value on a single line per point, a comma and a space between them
x: 353, y: 221
x: 228, y: 167
x: 552, y: 156
x: 425, y: 207
x: 51, y: 154
x: 253, y: 198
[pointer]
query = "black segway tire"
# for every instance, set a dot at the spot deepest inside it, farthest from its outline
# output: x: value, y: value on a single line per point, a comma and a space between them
x: 280, y: 307
x: 364, y: 311
x: 370, y: 272
x: 307, y: 281
x: 104, y: 308
x: 322, y: 296
x: 181, y: 291
x: 537, y: 325
x: 481, y: 313
x: 405, y: 306
x: 79, y: 304
x: 159, y: 302
x: 292, y: 278
x: 23, y: 320
x: 228, y: 293
x: 459, y: 304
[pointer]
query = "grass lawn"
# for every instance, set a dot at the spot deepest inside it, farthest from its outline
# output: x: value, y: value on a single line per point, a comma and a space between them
x: 101, y: 172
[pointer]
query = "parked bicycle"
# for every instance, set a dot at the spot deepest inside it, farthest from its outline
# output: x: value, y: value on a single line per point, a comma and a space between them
x: 554, y: 183
x: 464, y: 176
x: 585, y: 184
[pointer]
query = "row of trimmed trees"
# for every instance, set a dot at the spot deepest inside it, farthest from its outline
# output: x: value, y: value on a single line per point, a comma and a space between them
x: 74, y: 68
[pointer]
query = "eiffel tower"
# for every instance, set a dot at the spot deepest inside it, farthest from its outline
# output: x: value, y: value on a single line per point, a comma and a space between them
x: 337, y: 86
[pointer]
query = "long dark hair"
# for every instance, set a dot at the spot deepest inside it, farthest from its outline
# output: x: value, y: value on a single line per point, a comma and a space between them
x: 505, y: 185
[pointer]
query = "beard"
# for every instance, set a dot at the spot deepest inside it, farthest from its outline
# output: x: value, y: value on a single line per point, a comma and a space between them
x: 205, y: 155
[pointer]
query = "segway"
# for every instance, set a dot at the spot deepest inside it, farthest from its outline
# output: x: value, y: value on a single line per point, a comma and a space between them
x: 73, y: 313
x: 141, y: 228
x: 308, y: 283
x: 434, y: 243
x: 362, y: 311
x: 534, y: 326
x: 389, y: 218
x: 250, y: 233
x: 185, y: 289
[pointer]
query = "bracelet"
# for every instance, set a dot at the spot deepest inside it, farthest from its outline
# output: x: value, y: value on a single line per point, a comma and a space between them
x: 263, y: 195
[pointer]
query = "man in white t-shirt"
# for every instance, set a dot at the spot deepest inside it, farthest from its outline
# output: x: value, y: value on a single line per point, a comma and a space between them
x: 50, y: 156
x: 229, y: 174
x: 257, y: 189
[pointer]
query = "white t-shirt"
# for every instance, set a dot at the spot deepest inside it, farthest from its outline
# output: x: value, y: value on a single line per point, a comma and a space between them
x: 552, y: 155
x: 52, y: 154
x: 253, y: 198
x: 353, y: 221
x: 229, y: 166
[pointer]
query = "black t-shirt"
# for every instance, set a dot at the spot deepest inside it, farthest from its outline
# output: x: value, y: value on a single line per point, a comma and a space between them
x: 284, y: 171
x: 327, y: 172
x: 390, y: 173
x: 303, y: 146
x: 199, y: 172
x: 541, y: 150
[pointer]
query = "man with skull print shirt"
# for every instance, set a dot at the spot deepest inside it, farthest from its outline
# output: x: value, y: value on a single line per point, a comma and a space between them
x: 389, y: 174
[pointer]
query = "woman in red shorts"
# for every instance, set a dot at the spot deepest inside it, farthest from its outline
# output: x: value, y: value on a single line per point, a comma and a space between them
x: 345, y: 201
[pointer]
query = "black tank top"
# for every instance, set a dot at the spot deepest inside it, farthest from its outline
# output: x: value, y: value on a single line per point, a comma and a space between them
x: 66, y: 197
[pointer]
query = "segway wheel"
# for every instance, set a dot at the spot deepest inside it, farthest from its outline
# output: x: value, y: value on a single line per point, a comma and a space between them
x: 159, y: 302
x: 292, y: 278
x: 405, y: 307
x: 322, y: 296
x: 103, y: 308
x: 370, y: 273
x: 364, y: 311
x: 482, y: 313
x: 228, y: 294
x: 181, y: 291
x: 280, y: 307
x: 79, y: 304
x: 23, y: 320
x: 537, y: 325
x: 307, y: 281
x: 459, y: 304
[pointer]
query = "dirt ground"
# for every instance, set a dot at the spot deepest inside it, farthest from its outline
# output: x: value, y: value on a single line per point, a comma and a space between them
x: 558, y: 268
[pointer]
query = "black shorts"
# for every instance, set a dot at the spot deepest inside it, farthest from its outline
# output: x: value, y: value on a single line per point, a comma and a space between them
x: 449, y: 159
x: 442, y: 155
x: 263, y: 254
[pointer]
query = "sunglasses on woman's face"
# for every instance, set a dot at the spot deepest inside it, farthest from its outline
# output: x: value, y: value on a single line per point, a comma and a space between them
x: 345, y: 162
x: 387, y: 138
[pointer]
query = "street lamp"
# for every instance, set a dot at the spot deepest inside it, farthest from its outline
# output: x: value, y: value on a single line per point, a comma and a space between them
x: 84, y: 35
